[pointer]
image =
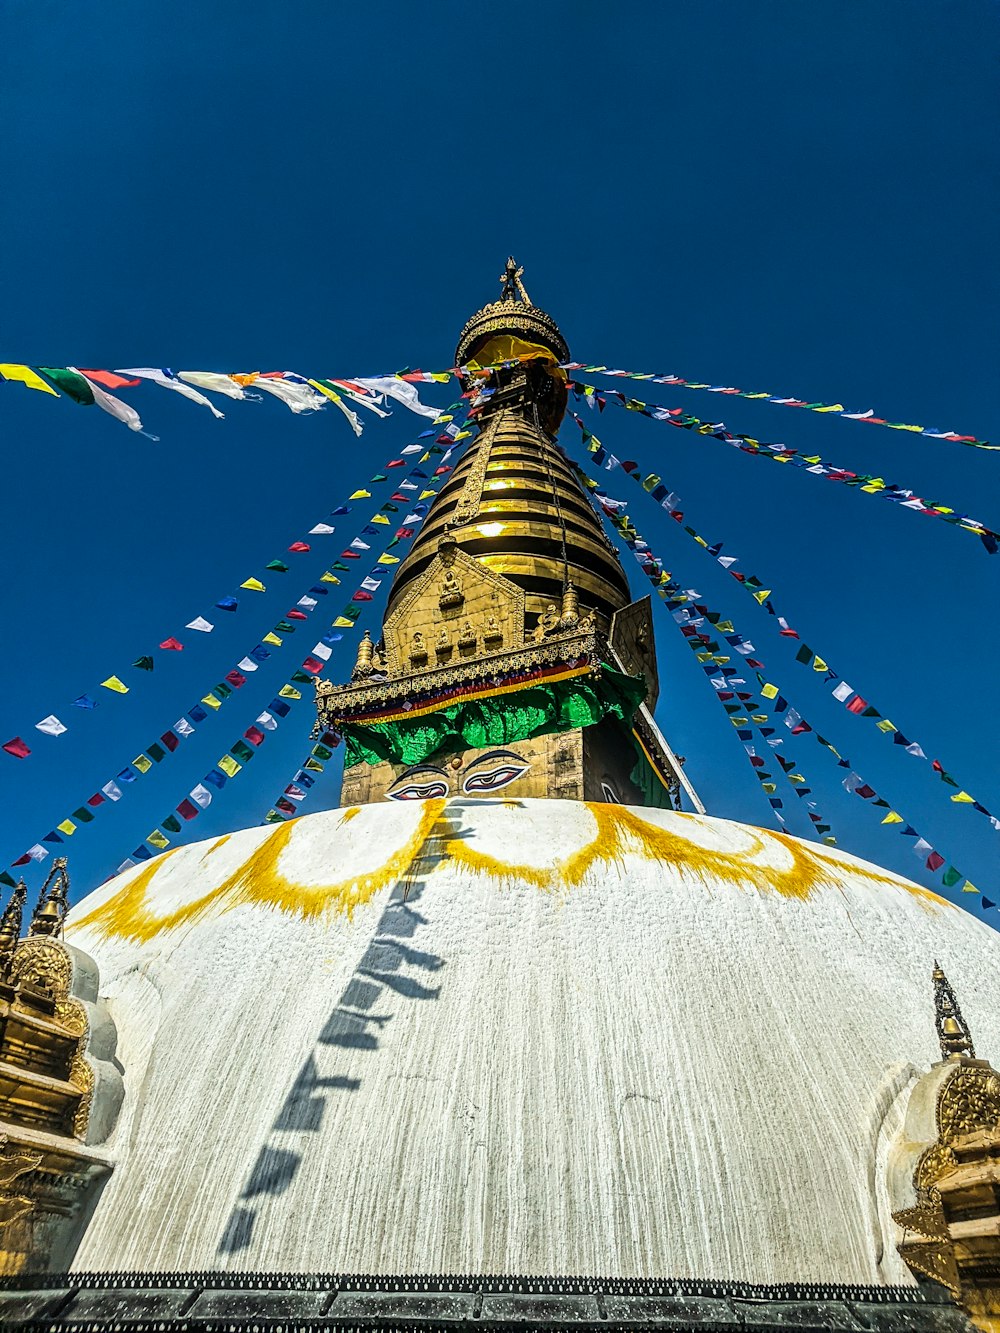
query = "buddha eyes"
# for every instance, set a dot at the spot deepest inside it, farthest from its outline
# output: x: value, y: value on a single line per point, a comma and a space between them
x: 494, y: 771
x: 410, y: 787
x: 488, y: 773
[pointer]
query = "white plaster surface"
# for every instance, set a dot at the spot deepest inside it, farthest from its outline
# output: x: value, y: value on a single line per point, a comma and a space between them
x: 607, y: 1058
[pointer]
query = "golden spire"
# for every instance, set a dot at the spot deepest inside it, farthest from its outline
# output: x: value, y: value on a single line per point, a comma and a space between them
x: 53, y: 901
x: 511, y: 284
x: 952, y: 1029
x: 10, y: 925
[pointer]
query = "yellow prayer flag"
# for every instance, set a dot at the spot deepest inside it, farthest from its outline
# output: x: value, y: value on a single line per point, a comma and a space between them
x: 361, y: 495
x: 892, y: 818
x: 462, y: 435
x: 701, y: 541
x: 25, y: 375
x: 758, y: 717
x: 769, y: 691
x: 142, y: 763
x: 328, y: 578
x: 762, y: 595
x: 113, y: 683
x: 796, y: 777
x: 424, y: 495
x: 157, y: 839
x: 272, y: 638
x: 327, y: 393
x: 378, y: 518
x: 819, y: 664
x: 229, y: 765
x: 210, y: 701
x: 814, y: 459
x: 289, y: 692
x: 343, y: 623
x: 725, y: 627
x: 885, y: 725
x: 388, y: 560
x: 67, y: 827
x: 254, y: 585
x: 769, y: 787
x: 963, y: 797
x: 969, y: 887
x: 832, y: 407
x: 424, y: 457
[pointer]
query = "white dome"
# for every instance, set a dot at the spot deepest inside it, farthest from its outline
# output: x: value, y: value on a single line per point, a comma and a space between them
x: 592, y: 1040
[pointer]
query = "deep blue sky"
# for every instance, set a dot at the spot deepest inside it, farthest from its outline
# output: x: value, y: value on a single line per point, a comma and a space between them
x: 797, y: 198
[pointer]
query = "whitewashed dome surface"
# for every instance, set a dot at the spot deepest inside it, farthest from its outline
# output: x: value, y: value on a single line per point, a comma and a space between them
x: 591, y: 1039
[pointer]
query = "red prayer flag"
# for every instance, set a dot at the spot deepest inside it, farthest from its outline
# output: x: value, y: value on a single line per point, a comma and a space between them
x: 17, y: 748
x: 396, y: 462
x: 440, y: 471
x: 236, y: 678
x: 295, y: 615
x: 403, y: 533
x: 187, y: 809
x: 864, y: 791
x: 21, y: 860
x: 361, y: 596
x: 857, y: 704
x: 300, y: 546
x: 349, y: 555
x: 935, y: 861
x: 399, y: 496
x: 312, y: 666
x: 936, y: 765
x: 96, y: 800
x: 172, y: 645
x: 110, y: 380
x: 283, y: 804
x: 254, y: 735
x: 170, y: 740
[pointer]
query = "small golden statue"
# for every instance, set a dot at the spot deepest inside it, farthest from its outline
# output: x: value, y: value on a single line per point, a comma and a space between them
x: 467, y: 638
x: 451, y: 591
x: 418, y: 649
x: 548, y: 621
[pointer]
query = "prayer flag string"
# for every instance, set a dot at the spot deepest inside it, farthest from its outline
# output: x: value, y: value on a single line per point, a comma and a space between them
x: 212, y: 701
x: 844, y: 693
x: 837, y: 409
x: 718, y: 662
x: 406, y: 492
x: 779, y: 453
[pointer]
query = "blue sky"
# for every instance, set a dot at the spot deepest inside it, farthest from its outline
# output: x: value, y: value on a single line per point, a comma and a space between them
x: 785, y: 197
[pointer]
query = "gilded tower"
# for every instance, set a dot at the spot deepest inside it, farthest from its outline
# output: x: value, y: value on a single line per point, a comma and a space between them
x: 511, y: 651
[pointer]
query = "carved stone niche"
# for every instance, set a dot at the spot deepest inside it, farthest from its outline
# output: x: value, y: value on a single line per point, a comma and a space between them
x: 944, y: 1182
x: 60, y: 1093
x: 454, y: 599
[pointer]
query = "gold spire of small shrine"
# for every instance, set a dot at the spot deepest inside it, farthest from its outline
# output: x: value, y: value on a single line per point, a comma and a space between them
x: 952, y: 1029
x: 53, y: 901
x: 10, y: 926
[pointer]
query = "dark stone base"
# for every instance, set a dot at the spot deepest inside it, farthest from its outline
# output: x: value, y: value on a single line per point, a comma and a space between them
x: 304, y: 1302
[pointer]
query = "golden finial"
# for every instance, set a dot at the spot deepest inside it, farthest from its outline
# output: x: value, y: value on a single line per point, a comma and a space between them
x: 952, y: 1029
x: 10, y: 926
x: 511, y: 285
x: 366, y: 651
x: 570, y: 608
x: 53, y: 901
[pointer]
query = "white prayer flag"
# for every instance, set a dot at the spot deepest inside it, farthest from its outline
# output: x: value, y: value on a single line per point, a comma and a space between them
x: 201, y: 796
x: 112, y: 791
x: 307, y: 602
x: 843, y: 692
x: 248, y: 664
x: 401, y: 390
x: 209, y: 379
x: 323, y: 651
x: 411, y: 449
x: 168, y: 380
x: 297, y: 396
x: 200, y: 623
x: 358, y: 545
x: 183, y: 727
x: 119, y: 410
x: 267, y: 722
x: 321, y: 530
x: 50, y: 725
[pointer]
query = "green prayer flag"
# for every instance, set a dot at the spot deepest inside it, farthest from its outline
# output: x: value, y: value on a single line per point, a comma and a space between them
x: 313, y: 765
x: 278, y: 565
x: 7, y: 880
x: 172, y: 824
x: 72, y: 384
x: 804, y: 654
x: 242, y: 751
x: 221, y: 691
x: 283, y: 627
x: 389, y: 509
x: 379, y: 476
x: 156, y: 752
x: 321, y: 752
x: 338, y: 564
x: 84, y: 815
x: 951, y: 877
x: 143, y: 663
x: 351, y: 612
x: 272, y: 817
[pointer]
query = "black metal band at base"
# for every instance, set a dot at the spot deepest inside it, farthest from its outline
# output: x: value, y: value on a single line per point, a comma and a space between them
x: 308, y: 1302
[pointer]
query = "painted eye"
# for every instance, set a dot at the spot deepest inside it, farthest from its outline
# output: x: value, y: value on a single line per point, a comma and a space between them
x: 497, y: 775
x: 418, y: 791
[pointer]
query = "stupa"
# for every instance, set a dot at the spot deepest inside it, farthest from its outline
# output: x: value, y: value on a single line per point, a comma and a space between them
x: 519, y: 1033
